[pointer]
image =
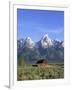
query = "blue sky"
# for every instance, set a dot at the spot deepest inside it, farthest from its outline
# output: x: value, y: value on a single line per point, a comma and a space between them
x: 37, y: 23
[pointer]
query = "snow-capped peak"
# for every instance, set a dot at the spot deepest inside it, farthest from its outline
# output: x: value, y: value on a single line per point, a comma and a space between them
x: 46, y: 41
x: 29, y: 43
x: 28, y: 39
x: 45, y: 36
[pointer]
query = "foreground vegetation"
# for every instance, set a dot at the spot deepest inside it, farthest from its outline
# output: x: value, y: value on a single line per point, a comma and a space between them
x: 28, y: 72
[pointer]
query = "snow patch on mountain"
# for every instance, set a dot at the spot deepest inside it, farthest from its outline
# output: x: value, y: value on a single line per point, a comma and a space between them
x: 29, y: 43
x: 46, y: 41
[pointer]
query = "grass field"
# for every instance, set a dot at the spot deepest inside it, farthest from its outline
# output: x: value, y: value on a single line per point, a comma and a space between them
x: 28, y: 72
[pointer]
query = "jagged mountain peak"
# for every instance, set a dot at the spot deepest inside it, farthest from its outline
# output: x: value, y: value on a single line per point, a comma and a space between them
x: 29, y: 43
x: 28, y: 38
x: 46, y: 36
x: 46, y: 41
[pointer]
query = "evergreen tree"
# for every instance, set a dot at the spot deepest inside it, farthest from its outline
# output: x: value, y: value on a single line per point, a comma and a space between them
x: 21, y: 61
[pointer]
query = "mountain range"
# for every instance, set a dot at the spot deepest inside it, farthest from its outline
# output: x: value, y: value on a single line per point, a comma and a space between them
x: 47, y: 48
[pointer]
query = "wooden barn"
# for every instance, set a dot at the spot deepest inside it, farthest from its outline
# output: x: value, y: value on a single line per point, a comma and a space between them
x: 41, y: 62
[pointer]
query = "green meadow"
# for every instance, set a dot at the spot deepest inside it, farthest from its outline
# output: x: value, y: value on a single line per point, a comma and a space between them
x: 29, y: 72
